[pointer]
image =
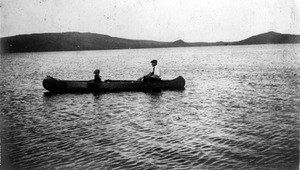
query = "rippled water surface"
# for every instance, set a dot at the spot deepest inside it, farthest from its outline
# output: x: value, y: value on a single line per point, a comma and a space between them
x: 240, y: 110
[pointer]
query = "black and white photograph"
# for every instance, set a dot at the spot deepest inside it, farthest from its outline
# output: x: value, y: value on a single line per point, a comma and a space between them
x: 149, y: 84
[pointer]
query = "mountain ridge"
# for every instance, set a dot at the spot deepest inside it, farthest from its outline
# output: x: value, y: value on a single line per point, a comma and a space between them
x: 76, y: 41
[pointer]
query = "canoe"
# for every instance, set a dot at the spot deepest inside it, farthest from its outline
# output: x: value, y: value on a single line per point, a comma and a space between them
x: 65, y: 86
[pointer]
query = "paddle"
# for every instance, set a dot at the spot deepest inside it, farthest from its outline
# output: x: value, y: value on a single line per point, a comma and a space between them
x: 147, y: 75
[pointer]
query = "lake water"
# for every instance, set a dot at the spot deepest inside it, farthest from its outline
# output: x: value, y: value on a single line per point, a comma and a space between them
x: 240, y: 110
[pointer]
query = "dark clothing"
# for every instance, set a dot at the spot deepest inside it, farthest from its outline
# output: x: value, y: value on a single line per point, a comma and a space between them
x: 150, y: 79
x: 97, y: 78
x: 152, y: 73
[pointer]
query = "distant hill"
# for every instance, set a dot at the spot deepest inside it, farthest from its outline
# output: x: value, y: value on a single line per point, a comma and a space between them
x: 75, y: 41
x: 72, y: 41
x: 270, y: 38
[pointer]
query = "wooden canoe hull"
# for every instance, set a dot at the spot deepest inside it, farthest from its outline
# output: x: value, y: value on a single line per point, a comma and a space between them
x: 64, y: 86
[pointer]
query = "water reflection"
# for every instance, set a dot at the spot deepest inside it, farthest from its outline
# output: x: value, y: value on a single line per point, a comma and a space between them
x: 154, y: 99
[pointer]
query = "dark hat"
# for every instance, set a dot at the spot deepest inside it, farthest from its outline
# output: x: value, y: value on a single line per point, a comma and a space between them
x: 97, y: 71
x: 154, y: 61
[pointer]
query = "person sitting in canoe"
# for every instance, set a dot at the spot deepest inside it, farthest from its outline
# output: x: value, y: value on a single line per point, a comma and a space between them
x: 97, y: 76
x: 155, y: 75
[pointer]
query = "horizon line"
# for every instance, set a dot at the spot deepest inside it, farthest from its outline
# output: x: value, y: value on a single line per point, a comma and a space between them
x: 145, y: 39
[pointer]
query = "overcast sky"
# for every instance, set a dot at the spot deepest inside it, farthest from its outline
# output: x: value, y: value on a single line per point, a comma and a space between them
x: 161, y: 20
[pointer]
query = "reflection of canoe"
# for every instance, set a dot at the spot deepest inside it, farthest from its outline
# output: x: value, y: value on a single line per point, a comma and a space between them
x: 63, y: 86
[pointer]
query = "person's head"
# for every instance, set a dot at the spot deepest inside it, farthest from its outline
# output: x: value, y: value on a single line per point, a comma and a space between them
x: 97, y: 72
x: 154, y: 62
